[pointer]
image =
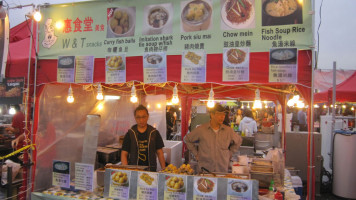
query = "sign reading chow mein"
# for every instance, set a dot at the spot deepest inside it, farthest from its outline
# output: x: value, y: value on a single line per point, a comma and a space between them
x: 135, y: 27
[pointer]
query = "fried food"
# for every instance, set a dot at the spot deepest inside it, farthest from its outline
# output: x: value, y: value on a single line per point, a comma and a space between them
x: 147, y: 178
x: 193, y: 57
x: 195, y: 12
x: 119, y: 178
x: 115, y: 62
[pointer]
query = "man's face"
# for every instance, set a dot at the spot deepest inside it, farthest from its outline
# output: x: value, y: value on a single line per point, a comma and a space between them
x: 218, y: 117
x: 141, y: 118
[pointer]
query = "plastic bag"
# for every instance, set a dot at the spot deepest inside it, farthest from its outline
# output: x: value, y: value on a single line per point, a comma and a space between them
x: 15, y: 170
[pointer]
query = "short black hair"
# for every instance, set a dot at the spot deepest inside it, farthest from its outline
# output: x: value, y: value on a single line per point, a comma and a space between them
x: 217, y: 108
x: 140, y: 107
x: 248, y: 113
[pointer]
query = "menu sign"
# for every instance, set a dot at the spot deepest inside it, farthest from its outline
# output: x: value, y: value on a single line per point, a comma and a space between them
x: 155, y: 67
x: 236, y: 64
x: 175, y: 187
x: 115, y: 69
x: 61, y: 174
x: 239, y: 189
x: 84, y: 176
x: 84, y: 71
x: 135, y: 27
x: 193, y: 67
x: 283, y: 65
x: 11, y: 90
x: 147, y: 186
x: 65, y: 69
x: 205, y: 188
x: 119, y: 184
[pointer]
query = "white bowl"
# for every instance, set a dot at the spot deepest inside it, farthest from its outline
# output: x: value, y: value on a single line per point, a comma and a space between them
x: 132, y: 20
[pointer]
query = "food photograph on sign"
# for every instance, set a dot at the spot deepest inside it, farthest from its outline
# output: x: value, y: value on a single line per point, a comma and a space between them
x: 196, y: 15
x: 205, y: 186
x: 193, y: 59
x: 66, y: 61
x: 114, y: 63
x: 282, y: 12
x: 237, y: 14
x: 175, y: 184
x: 121, y: 22
x: 157, y: 19
x: 119, y: 178
x: 238, y: 187
x: 283, y: 56
x: 147, y: 180
x: 236, y: 57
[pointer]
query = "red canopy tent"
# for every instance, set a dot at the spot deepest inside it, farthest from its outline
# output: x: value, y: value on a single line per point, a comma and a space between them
x: 345, y: 91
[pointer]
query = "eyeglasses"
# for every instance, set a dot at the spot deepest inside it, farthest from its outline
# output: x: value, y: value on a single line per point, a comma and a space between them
x: 141, y: 117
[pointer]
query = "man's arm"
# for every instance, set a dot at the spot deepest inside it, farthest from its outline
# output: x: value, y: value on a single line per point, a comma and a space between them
x: 19, y: 139
x: 190, y: 139
x: 124, y: 155
x: 236, y: 142
x: 160, y: 156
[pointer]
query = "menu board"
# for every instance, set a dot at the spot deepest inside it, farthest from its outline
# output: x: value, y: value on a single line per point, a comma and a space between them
x: 193, y: 67
x: 115, y: 69
x: 147, y: 186
x: 283, y: 65
x: 175, y: 187
x: 119, y: 184
x: 84, y: 176
x: 236, y: 64
x: 61, y: 174
x: 135, y: 27
x: 238, y: 189
x: 65, y: 69
x: 84, y: 69
x: 205, y: 188
x: 155, y: 67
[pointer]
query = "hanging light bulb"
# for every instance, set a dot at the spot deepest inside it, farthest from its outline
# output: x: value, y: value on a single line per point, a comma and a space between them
x: 248, y: 105
x: 296, y: 98
x: 343, y: 106
x: 211, y: 102
x: 242, y: 106
x: 316, y: 106
x: 175, y: 99
x: 324, y: 106
x: 100, y: 96
x: 133, y: 98
x: 257, y: 103
x: 300, y: 104
x: 12, y: 111
x: 70, y: 98
x: 37, y: 16
x: 352, y: 108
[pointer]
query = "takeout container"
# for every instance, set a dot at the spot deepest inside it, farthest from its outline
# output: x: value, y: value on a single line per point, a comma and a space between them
x: 190, y: 26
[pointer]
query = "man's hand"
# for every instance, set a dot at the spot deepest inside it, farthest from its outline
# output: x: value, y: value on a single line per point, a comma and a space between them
x: 15, y: 142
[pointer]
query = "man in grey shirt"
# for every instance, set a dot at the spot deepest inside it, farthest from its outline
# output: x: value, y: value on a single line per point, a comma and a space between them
x: 217, y: 142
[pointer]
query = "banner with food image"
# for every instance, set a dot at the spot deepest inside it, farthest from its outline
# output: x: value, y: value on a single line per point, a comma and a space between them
x: 205, y: 188
x: 65, y: 69
x: 236, y: 62
x: 175, y: 187
x: 239, y: 189
x: 147, y: 185
x: 119, y: 184
x: 283, y: 65
x: 115, y: 69
x: 155, y: 67
x: 11, y: 90
x: 134, y: 27
x: 84, y: 69
x: 193, y: 67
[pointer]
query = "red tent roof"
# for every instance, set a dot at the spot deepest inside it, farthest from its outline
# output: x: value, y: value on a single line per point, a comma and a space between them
x: 19, y: 47
x: 345, y: 91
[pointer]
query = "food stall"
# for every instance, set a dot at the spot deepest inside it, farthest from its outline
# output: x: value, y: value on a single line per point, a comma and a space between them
x: 117, y: 48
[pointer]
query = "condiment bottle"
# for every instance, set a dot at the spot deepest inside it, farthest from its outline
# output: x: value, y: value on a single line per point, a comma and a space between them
x: 278, y: 196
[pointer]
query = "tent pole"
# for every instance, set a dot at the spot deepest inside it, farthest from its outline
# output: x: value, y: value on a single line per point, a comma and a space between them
x: 333, y: 115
